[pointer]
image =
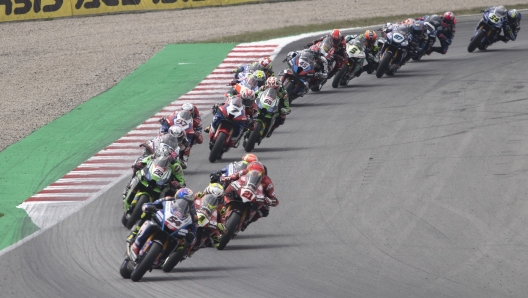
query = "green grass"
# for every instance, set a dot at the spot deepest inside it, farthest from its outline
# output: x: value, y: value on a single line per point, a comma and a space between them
x: 295, y: 30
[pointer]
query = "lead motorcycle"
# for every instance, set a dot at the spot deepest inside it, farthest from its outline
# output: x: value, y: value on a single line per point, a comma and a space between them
x: 300, y: 76
x: 393, y: 51
x: 356, y: 57
x: 489, y: 29
x: 244, y: 197
x: 268, y: 111
x: 167, y: 230
x: 231, y: 114
x: 206, y: 229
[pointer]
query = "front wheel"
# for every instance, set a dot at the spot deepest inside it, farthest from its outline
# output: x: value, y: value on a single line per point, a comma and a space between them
x: 136, y: 213
x: 475, y: 42
x: 339, y: 75
x: 218, y: 147
x: 232, y: 224
x: 383, y: 65
x: 124, y: 270
x: 253, y: 137
x: 289, y: 87
x: 146, y: 262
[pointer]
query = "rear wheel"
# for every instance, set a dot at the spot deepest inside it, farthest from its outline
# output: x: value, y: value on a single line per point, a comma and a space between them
x: 174, y: 258
x: 253, y: 137
x: 339, y: 76
x: 146, y: 263
x: 384, y: 64
x: 136, y: 213
x: 232, y: 224
x: 218, y: 147
x: 475, y: 42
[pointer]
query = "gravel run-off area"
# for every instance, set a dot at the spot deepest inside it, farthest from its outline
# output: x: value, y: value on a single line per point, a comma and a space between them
x: 47, y: 68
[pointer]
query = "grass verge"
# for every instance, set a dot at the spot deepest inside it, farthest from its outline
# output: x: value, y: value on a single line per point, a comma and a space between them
x: 295, y: 30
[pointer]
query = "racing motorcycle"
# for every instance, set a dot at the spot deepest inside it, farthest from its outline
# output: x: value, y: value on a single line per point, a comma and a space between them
x: 488, y: 31
x: 301, y: 74
x: 356, y: 57
x: 147, y: 185
x: 221, y: 140
x: 241, y: 203
x: 268, y: 111
x: 393, y: 51
x: 205, y: 230
x: 167, y: 230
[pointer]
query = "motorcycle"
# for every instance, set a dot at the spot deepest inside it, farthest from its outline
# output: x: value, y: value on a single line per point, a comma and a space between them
x: 268, y: 107
x: 222, y: 139
x: 300, y: 76
x: 356, y: 57
x: 241, y: 203
x: 205, y: 230
x: 167, y: 230
x: 393, y: 51
x: 148, y: 185
x: 490, y: 27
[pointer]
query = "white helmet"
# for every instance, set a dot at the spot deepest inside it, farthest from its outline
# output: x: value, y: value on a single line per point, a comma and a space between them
x: 187, y: 107
x: 177, y: 131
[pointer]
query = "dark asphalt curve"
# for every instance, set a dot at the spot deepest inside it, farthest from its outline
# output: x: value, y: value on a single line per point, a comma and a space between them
x: 404, y: 186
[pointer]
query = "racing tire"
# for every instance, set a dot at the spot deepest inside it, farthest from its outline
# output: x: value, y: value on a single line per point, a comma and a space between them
x: 173, y: 259
x: 253, y: 137
x: 124, y: 219
x: 145, y: 264
x: 475, y: 42
x: 339, y: 75
x: 136, y: 213
x: 289, y: 87
x: 232, y: 224
x: 383, y: 65
x: 124, y: 270
x: 316, y: 88
x: 218, y: 147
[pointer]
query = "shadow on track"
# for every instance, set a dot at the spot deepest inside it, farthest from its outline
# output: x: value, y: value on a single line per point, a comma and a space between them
x: 263, y: 246
x: 257, y: 150
x: 255, y: 236
x: 206, y: 269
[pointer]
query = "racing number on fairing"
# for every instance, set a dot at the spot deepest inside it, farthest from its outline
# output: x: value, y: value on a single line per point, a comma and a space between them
x: 174, y: 220
x: 494, y: 18
x: 181, y: 122
x: 268, y: 100
x: 353, y: 50
x: 247, y: 194
x: 158, y: 172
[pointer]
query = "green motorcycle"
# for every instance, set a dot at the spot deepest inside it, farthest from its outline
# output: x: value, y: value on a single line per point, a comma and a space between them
x: 268, y: 111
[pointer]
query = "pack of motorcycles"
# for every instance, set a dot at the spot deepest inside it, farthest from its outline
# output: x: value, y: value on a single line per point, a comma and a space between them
x: 166, y: 246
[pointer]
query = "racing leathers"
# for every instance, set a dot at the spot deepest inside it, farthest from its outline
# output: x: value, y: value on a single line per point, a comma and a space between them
x: 339, y: 54
x: 169, y: 121
x: 445, y: 34
x: 371, y: 51
x: 251, y: 68
x: 284, y: 109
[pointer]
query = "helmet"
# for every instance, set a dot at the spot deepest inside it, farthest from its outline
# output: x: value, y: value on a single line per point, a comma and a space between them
x: 169, y: 140
x: 336, y: 36
x: 514, y: 16
x: 435, y: 20
x: 259, y: 75
x: 186, y: 194
x: 265, y: 63
x: 409, y: 21
x: 272, y: 82
x: 215, y: 189
x: 449, y: 18
x: 178, y: 132
x: 248, y: 96
x: 255, y: 166
x: 370, y: 37
x: 187, y: 107
x: 249, y: 158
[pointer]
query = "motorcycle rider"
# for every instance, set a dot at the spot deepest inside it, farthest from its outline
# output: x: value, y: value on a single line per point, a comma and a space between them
x: 339, y: 45
x: 137, y: 236
x: 233, y: 167
x: 284, y: 102
x: 370, y: 42
x: 167, y: 122
x: 267, y: 186
x: 446, y: 33
x: 236, y: 102
x: 264, y: 64
x: 217, y: 190
x: 512, y: 25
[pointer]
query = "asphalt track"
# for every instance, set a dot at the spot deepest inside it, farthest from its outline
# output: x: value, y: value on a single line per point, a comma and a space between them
x: 405, y: 186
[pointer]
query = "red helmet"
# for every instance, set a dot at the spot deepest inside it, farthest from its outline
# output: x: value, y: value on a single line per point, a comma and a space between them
x: 256, y: 166
x: 336, y: 36
x: 449, y: 18
x: 370, y: 36
x: 272, y: 82
x: 249, y: 158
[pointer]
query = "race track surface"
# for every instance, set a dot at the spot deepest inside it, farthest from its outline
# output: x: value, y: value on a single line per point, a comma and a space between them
x: 405, y: 186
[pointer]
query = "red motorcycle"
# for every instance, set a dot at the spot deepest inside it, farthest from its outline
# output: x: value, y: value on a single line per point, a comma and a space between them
x: 229, y: 118
x: 243, y: 198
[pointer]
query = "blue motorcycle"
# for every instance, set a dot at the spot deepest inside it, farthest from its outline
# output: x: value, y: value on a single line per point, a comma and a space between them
x: 394, y: 50
x: 488, y: 29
